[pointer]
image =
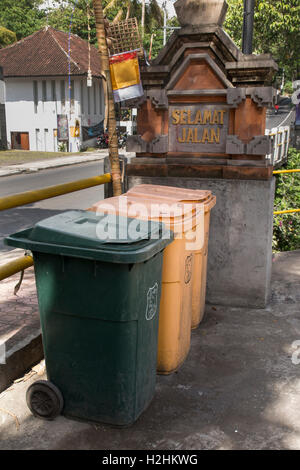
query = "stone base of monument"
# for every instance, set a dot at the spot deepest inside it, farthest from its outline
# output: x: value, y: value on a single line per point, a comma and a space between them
x: 240, y: 245
x: 201, y: 124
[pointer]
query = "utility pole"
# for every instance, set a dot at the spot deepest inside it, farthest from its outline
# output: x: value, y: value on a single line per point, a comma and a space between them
x: 248, y: 26
x: 112, y: 127
x: 164, y: 7
x: 143, y: 18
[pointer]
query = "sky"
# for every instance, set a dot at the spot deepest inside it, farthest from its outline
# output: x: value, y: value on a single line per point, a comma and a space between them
x: 170, y: 7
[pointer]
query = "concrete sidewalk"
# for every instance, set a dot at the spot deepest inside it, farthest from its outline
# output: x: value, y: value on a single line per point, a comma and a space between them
x: 19, y: 323
x: 32, y: 167
x: 238, y: 389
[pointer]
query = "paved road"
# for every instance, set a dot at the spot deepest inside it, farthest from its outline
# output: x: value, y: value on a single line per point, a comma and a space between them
x: 24, y: 217
x: 283, y: 118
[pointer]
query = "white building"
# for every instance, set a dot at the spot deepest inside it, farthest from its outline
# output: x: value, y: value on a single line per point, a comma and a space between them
x: 45, y: 84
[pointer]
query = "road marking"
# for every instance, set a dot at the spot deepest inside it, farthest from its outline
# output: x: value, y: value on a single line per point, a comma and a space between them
x: 280, y: 125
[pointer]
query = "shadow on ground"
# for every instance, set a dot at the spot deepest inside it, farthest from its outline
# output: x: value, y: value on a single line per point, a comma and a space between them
x: 238, y: 389
x: 21, y: 218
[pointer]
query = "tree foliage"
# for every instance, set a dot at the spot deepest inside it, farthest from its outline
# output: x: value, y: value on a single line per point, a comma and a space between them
x: 23, y: 17
x: 60, y: 17
x: 276, y: 30
x: 7, y: 37
x: 75, y: 14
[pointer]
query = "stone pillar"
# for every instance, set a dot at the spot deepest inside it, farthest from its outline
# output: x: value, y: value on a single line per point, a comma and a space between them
x: 201, y: 124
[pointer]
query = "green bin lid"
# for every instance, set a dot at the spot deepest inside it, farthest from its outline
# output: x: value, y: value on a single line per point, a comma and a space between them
x: 84, y: 234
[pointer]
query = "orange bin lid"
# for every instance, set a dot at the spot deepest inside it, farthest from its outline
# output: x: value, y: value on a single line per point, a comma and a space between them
x: 175, y: 215
x: 172, y: 193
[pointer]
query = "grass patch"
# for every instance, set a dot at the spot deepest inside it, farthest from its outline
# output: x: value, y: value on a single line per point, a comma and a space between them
x: 17, y: 157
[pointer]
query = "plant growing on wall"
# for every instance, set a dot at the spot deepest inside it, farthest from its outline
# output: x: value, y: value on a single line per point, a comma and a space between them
x: 287, y: 227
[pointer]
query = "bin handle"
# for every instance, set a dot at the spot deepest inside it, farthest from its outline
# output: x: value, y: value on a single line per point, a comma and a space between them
x: 211, y: 204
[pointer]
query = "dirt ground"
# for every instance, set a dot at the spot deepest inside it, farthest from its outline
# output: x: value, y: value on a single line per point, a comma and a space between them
x: 17, y: 157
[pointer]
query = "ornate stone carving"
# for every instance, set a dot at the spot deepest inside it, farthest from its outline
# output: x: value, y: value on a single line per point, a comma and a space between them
x: 160, y: 144
x: 136, y: 102
x: 135, y: 143
x: 259, y: 145
x: 263, y: 96
x: 157, y: 96
x: 235, y: 96
x: 234, y: 146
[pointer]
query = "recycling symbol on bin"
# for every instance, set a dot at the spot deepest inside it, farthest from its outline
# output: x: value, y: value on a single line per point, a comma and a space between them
x: 152, y: 302
x: 188, y: 269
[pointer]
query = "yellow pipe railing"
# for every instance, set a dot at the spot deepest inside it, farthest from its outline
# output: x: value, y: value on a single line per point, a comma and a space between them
x: 9, y: 202
x: 16, y: 266
x: 281, y: 172
x: 286, y: 212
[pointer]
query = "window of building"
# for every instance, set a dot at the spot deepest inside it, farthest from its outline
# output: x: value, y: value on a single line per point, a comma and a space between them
x: 46, y: 134
x: 37, y: 139
x: 44, y: 91
x: 53, y: 93
x: 72, y: 97
x: 100, y: 97
x: 35, y: 96
x: 89, y: 100
x: 95, y: 99
x: 82, y: 97
x: 63, y: 96
x: 53, y: 90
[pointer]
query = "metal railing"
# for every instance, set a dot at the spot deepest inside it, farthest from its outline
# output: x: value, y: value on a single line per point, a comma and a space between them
x: 280, y: 140
x: 28, y: 197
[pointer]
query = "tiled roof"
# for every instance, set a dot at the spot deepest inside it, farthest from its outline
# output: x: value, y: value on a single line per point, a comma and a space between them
x: 45, y: 53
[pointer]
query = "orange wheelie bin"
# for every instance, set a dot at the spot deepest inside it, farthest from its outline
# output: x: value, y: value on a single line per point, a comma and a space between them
x: 177, y: 278
x: 207, y: 201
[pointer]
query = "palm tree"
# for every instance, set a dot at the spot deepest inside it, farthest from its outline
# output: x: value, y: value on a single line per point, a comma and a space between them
x: 112, y: 127
x: 149, y: 15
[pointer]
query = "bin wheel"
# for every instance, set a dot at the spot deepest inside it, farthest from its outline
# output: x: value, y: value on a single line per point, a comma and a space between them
x: 44, y: 400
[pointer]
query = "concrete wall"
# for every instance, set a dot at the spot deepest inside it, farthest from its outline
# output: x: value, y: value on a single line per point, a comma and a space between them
x: 240, y: 247
x: 21, y: 115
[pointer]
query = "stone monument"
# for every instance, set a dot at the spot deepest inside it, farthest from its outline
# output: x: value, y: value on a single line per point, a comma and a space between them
x: 201, y: 125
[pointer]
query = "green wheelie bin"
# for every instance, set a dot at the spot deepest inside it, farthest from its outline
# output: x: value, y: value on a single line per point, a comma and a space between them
x: 99, y: 305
